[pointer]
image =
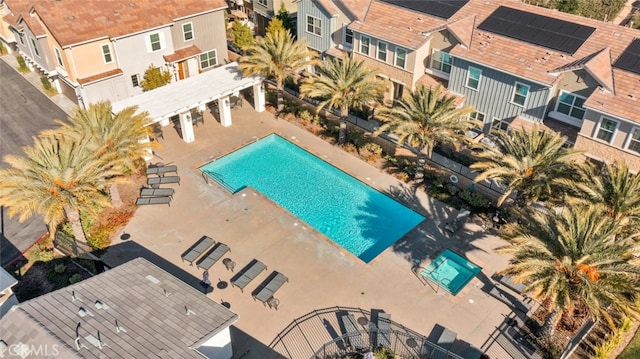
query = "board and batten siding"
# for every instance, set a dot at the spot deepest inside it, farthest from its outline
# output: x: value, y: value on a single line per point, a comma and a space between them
x: 494, y: 94
x: 208, y: 33
x: 320, y: 43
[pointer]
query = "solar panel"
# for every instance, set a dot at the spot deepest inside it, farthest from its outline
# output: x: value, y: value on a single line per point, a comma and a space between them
x: 443, y: 9
x: 630, y: 58
x: 537, y: 29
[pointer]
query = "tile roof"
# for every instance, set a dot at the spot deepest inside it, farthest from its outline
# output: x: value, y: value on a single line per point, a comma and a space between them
x: 624, y: 103
x: 76, y: 21
x: 357, y: 8
x: 182, y: 54
x: 160, y: 315
x: 99, y: 76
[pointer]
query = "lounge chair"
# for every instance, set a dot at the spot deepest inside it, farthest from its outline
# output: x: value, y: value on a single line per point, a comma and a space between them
x: 446, y: 339
x: 162, y: 180
x: 353, y: 335
x: 247, y: 274
x: 510, y: 300
x: 153, y: 200
x: 212, y: 256
x: 156, y: 192
x: 508, y: 282
x: 269, y: 286
x: 191, y: 254
x: 161, y: 170
x: 459, y: 221
x: 384, y: 330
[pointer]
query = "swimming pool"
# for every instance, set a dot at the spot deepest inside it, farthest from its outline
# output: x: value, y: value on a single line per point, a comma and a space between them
x: 451, y: 271
x: 355, y: 216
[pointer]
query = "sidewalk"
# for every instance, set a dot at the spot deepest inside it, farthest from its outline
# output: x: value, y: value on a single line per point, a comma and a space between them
x: 34, y: 78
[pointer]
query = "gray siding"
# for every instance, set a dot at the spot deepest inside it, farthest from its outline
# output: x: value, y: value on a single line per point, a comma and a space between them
x: 321, y: 43
x: 494, y: 94
x: 208, y: 32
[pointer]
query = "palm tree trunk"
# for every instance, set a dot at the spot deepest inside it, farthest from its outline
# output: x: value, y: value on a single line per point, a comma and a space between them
x: 342, y: 135
x: 549, y: 326
x: 280, y: 100
x: 74, y: 218
x: 114, y: 193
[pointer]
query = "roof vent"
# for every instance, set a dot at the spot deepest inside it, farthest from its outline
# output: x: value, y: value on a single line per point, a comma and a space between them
x: 97, y: 342
x: 617, y: 34
x: 419, y: 19
x: 132, y: 4
x: 522, y: 59
x: 83, y: 312
x: 152, y: 279
x: 189, y: 311
x: 632, y: 96
x: 167, y: 293
x: 100, y: 305
x: 70, y: 17
x: 409, y: 28
x: 3, y: 346
x: 74, y: 297
x: 119, y: 328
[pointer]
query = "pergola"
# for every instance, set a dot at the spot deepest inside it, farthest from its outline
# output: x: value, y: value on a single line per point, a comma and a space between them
x: 179, y: 98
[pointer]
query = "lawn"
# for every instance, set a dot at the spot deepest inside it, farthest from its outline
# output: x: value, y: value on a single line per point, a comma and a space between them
x: 632, y: 350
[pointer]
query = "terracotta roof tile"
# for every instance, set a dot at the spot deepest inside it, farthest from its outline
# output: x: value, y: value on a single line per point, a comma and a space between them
x: 357, y: 8
x: 100, y: 76
x: 182, y: 54
x: 329, y: 6
x: 75, y: 21
x: 520, y: 123
x: 626, y: 100
x: 463, y: 29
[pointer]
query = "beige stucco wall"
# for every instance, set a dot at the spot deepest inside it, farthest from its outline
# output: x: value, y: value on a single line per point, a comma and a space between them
x: 601, y: 151
x: 87, y: 59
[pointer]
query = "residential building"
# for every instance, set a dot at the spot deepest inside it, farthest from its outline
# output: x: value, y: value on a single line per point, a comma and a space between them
x: 265, y: 10
x: 135, y: 310
x: 516, y: 64
x: 95, y: 50
x: 7, y: 298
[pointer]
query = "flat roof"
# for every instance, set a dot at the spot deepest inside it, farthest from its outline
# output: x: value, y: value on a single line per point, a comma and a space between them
x: 177, y: 97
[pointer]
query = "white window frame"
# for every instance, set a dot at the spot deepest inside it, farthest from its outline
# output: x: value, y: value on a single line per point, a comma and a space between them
x: 215, y: 54
x: 466, y: 83
x: 184, y: 32
x: 106, y: 53
x: 34, y: 45
x: 501, y: 122
x: 473, y: 116
x: 630, y: 140
x: 368, y: 45
x: 151, y: 42
x: 434, y: 53
x: 314, y: 26
x: 571, y: 106
x: 58, y: 56
x: 386, y: 49
x: 396, y: 57
x: 21, y: 37
x: 135, y: 80
x: 263, y: 3
x: 348, y: 31
x: 598, y: 127
x: 515, y: 93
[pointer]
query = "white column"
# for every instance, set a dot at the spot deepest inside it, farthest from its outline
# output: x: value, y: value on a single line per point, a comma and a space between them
x: 225, y: 111
x: 186, y: 127
x: 258, y: 97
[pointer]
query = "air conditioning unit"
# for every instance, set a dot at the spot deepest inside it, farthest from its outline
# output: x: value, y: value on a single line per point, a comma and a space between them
x: 340, y: 47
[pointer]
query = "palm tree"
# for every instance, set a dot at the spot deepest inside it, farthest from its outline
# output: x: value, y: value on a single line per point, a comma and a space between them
x: 277, y: 57
x: 425, y: 118
x: 58, y: 178
x: 119, y: 134
x: 342, y: 84
x: 533, y: 164
x: 568, y: 259
x: 613, y: 187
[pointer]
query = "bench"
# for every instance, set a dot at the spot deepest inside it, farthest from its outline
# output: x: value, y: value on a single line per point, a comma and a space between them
x: 153, y: 200
x: 212, y: 256
x: 269, y: 286
x: 156, y: 192
x: 384, y: 330
x: 191, y: 254
x: 510, y: 300
x: 353, y: 335
x: 162, y: 180
x: 161, y: 170
x: 446, y: 339
x: 247, y: 274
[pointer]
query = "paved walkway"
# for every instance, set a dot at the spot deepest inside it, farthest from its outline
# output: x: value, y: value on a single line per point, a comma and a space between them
x: 320, y: 274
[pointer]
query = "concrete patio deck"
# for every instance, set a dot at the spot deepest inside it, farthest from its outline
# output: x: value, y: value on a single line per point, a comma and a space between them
x: 320, y: 274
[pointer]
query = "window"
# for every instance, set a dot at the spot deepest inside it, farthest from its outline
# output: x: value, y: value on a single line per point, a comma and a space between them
x: 208, y: 59
x: 498, y: 126
x: 262, y: 2
x: 106, y: 54
x: 520, y: 93
x: 382, y: 51
x: 364, y: 45
x: 401, y: 57
x: 473, y: 77
x: 35, y: 47
x: 477, y: 118
x: 441, y: 61
x: 606, y: 129
x: 21, y: 39
x: 348, y: 36
x: 135, y: 80
x: 187, y: 31
x: 570, y: 105
x: 155, y: 42
x: 58, y: 56
x: 314, y: 25
x: 634, y: 140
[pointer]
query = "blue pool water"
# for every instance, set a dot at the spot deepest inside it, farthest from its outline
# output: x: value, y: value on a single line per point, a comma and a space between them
x: 355, y: 216
x: 451, y: 271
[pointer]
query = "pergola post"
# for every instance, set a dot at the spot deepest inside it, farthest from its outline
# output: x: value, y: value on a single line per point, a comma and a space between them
x: 186, y: 127
x: 258, y: 97
x: 224, y: 108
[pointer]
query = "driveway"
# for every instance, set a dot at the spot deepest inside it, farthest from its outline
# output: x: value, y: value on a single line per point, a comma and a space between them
x: 25, y: 111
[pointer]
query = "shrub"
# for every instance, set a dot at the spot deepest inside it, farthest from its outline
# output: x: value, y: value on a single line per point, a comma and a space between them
x: 402, y: 176
x: 22, y: 65
x: 350, y: 147
x: 99, y: 237
x: 357, y: 138
x: 371, y: 152
x: 75, y: 278
x: 60, y: 268
x: 475, y: 200
x: 305, y: 115
x: 155, y: 77
x: 3, y: 49
x: 46, y: 85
